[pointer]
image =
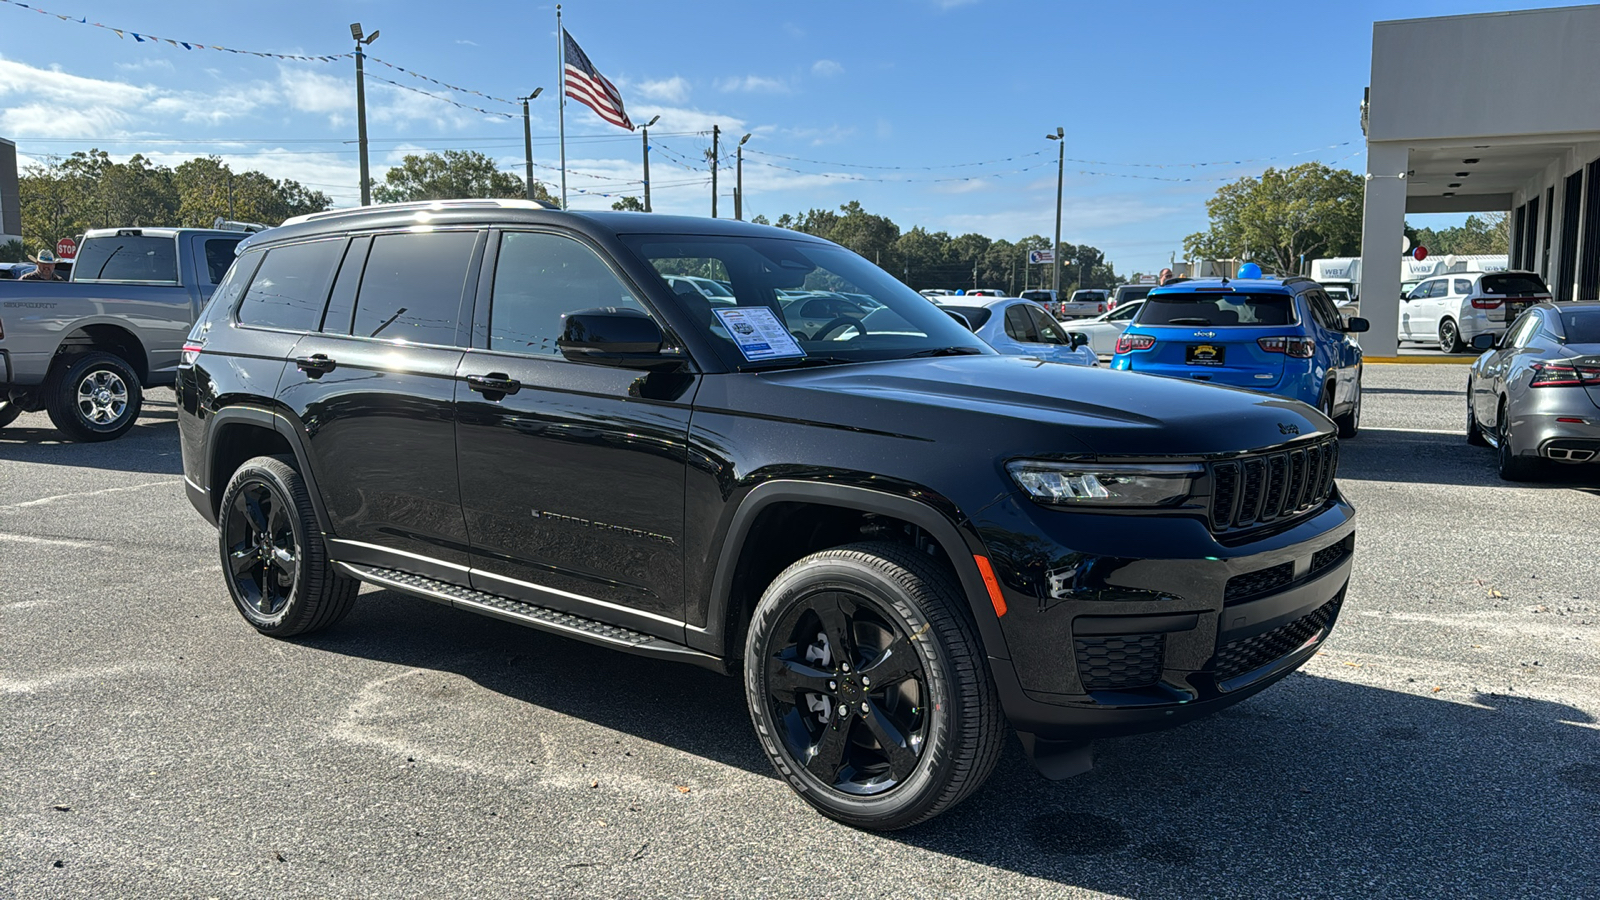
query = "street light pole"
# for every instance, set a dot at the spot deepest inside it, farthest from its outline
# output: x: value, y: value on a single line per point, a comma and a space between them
x: 1060, y: 137
x: 361, y: 107
x: 645, y: 135
x: 716, y: 134
x: 738, y: 180
x: 527, y: 139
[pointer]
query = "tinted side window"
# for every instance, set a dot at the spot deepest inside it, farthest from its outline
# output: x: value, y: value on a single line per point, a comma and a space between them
x: 1463, y: 286
x: 131, y: 258
x: 538, y: 280
x: 1049, y: 331
x: 411, y: 288
x: 291, y: 286
x: 1019, y: 327
x: 227, y: 293
x: 219, y: 256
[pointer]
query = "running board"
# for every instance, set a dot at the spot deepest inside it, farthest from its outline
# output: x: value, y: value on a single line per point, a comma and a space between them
x: 543, y: 618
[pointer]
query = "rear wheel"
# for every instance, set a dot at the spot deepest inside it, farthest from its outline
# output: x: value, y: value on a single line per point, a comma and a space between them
x: 1512, y: 467
x: 868, y: 688
x: 93, y: 396
x: 273, y: 558
x: 1450, y: 337
x: 1474, y: 433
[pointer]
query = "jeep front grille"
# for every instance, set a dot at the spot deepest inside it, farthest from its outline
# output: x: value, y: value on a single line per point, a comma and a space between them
x: 1263, y: 488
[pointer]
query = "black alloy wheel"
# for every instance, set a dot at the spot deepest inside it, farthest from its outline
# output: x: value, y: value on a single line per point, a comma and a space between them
x: 868, y: 687
x: 1450, y: 337
x: 273, y: 558
x: 848, y: 692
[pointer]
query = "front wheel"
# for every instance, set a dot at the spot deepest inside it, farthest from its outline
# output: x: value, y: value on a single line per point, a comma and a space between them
x: 1450, y: 337
x: 273, y: 558
x: 93, y: 396
x: 868, y: 688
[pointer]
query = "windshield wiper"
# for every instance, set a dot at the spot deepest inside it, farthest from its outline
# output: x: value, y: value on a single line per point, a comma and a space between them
x: 793, y: 362
x: 947, y: 351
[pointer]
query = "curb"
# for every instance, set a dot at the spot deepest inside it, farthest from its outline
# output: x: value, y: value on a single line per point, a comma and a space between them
x: 1421, y: 360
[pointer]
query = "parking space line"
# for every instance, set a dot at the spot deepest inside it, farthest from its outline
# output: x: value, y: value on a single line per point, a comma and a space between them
x: 42, y: 501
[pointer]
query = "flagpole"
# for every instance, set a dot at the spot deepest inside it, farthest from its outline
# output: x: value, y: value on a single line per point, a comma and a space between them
x: 561, y: 105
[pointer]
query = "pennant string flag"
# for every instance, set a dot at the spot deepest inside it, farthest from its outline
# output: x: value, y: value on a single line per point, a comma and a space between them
x: 143, y: 38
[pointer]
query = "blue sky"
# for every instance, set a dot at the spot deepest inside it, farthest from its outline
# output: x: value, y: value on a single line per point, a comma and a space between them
x: 959, y: 93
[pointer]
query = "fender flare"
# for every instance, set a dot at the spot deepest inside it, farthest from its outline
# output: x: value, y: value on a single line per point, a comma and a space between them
x: 712, y: 637
x: 276, y: 421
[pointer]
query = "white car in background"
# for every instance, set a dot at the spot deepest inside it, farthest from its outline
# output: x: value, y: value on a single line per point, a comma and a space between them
x: 1018, y: 327
x: 1452, y: 309
x: 712, y: 290
x: 1103, y: 330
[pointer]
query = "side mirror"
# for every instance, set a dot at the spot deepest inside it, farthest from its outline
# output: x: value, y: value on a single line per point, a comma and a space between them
x: 624, y: 338
x: 1356, y: 325
x: 1485, y: 342
x: 1077, y: 339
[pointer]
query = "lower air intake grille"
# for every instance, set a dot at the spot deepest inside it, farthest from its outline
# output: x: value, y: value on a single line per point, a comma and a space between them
x: 1254, y: 584
x: 1120, y: 662
x: 1235, y: 658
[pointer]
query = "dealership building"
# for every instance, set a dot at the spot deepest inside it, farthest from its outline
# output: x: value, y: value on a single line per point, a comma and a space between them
x: 1498, y: 112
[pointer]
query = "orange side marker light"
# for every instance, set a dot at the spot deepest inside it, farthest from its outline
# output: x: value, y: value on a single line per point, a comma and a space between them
x: 991, y: 583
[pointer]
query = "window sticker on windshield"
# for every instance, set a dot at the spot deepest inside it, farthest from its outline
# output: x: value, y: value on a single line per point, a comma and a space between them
x: 758, y: 333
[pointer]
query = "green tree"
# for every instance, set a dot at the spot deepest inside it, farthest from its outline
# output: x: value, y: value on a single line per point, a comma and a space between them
x: 209, y: 189
x: 1310, y: 210
x: 629, y: 204
x: 1488, y: 234
x: 451, y: 175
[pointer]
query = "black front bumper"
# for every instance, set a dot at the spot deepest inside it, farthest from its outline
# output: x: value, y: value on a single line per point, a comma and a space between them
x: 1115, y: 646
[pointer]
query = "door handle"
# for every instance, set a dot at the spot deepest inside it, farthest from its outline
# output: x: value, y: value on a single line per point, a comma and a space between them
x: 316, y: 365
x: 494, y: 383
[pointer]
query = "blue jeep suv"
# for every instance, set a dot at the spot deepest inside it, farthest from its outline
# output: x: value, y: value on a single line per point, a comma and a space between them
x: 1282, y: 337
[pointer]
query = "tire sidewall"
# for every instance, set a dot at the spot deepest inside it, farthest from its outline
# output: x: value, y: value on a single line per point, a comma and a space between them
x: 795, y: 586
x: 256, y: 472
x: 1449, y: 336
x: 63, y: 406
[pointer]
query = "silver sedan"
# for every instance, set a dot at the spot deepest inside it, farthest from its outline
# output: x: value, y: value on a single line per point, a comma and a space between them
x: 1535, y: 395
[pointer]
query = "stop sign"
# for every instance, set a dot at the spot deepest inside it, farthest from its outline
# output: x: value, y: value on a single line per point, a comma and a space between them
x: 66, y: 248
x: 1421, y: 253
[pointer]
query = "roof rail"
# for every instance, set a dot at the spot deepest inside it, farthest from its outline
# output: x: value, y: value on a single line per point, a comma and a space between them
x: 422, y: 205
x: 1296, y: 279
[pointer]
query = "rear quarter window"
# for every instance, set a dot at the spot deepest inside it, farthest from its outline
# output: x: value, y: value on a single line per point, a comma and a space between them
x: 1217, y: 310
x: 291, y: 286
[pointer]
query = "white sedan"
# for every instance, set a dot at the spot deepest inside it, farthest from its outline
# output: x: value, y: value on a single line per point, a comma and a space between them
x: 1018, y: 327
x: 1103, y: 330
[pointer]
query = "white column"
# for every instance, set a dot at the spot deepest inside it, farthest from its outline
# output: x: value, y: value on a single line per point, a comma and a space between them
x: 1383, y: 221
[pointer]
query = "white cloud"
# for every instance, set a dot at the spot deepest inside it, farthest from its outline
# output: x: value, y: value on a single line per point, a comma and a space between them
x: 153, y: 63
x: 56, y: 86
x: 310, y: 91
x: 826, y: 68
x: 41, y: 120
x: 466, y: 42
x: 676, y: 118
x: 666, y: 90
x: 753, y: 84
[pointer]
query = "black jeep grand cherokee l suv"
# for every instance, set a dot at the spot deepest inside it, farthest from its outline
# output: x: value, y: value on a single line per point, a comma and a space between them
x: 893, y: 533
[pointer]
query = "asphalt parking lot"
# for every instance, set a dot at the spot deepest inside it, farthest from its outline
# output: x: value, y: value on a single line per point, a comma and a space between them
x: 1445, y: 744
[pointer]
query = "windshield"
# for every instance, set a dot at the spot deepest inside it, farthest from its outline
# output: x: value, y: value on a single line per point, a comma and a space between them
x: 1217, y: 310
x: 1582, y: 326
x: 834, y: 304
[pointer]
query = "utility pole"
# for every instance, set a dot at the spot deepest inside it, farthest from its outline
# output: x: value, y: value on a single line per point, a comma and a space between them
x: 527, y: 139
x: 1060, y: 137
x: 738, y: 180
x: 716, y: 134
x: 645, y: 139
x: 361, y: 108
x: 974, y: 274
x: 230, y: 196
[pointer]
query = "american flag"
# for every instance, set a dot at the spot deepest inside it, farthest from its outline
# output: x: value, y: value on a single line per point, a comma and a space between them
x: 587, y: 86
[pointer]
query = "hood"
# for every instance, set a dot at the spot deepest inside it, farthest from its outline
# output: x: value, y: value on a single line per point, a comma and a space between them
x: 1022, y: 401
